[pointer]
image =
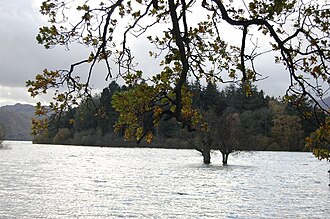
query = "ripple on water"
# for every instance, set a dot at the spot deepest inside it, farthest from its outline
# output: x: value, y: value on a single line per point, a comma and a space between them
x: 86, y: 182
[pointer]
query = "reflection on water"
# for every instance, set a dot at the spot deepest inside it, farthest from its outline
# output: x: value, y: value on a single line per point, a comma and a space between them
x: 41, y: 181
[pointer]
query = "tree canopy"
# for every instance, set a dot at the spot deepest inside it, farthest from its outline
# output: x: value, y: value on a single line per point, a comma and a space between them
x: 188, y: 41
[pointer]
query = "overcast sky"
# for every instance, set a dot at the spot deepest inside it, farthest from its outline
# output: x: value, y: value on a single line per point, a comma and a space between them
x: 22, y: 58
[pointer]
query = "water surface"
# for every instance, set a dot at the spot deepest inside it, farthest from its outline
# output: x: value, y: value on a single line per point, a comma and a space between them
x: 54, y: 181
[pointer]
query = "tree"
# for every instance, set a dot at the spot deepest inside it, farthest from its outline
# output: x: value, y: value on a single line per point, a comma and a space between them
x: 240, y: 101
x: 222, y: 132
x: 86, y: 116
x: 317, y: 136
x: 257, y: 125
x: 107, y: 115
x: 287, y: 132
x: 287, y: 129
x: 62, y: 136
x: 319, y: 141
x: 2, y: 135
x: 298, y: 32
x: 230, y: 135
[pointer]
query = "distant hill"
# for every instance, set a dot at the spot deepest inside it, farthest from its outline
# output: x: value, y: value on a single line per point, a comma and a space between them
x: 16, y: 120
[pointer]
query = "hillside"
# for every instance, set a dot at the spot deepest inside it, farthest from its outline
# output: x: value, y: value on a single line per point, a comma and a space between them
x: 16, y: 120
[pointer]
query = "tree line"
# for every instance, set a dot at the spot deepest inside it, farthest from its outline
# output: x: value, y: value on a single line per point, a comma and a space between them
x: 233, y: 121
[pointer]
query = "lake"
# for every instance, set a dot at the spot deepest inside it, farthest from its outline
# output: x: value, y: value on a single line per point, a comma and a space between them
x: 54, y: 181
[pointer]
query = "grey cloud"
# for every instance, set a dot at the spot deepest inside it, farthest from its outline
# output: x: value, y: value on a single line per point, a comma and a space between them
x: 18, y: 50
x: 22, y: 58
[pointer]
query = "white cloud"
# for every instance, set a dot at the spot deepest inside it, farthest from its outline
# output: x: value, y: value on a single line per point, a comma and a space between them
x: 12, y: 95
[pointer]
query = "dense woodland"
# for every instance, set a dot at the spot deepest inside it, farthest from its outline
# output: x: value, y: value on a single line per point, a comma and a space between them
x: 234, y: 121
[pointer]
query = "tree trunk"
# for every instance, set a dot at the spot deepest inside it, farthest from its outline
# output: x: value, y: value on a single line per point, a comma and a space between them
x: 206, y: 156
x: 225, y: 158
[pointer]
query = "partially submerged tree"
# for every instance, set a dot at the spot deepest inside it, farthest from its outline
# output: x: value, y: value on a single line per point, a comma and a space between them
x: 184, y: 45
x: 2, y: 135
x: 221, y: 132
x: 202, y: 142
x: 224, y: 133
